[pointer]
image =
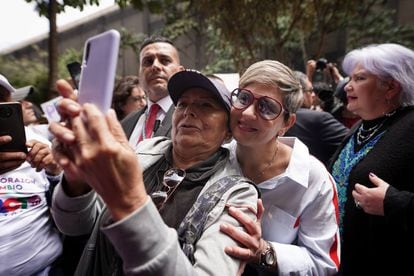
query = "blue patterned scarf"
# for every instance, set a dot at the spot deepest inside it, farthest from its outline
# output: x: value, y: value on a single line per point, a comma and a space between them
x: 342, y: 167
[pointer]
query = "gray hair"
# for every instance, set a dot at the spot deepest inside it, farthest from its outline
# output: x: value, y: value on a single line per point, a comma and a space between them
x: 276, y: 74
x: 302, y: 78
x: 387, y: 61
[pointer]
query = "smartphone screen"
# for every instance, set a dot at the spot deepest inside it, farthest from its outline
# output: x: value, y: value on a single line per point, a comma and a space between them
x: 11, y: 123
x: 74, y: 69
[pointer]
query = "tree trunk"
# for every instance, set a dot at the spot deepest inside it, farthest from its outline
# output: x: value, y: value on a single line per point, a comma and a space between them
x: 53, y: 49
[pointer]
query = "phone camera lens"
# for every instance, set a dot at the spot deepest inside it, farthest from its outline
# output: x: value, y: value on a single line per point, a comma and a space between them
x: 5, y: 112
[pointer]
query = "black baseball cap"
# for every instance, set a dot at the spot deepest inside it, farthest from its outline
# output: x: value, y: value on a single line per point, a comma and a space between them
x: 184, y: 80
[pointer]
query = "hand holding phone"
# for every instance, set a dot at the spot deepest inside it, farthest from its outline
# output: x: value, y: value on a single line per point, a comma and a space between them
x: 98, y: 69
x: 11, y: 124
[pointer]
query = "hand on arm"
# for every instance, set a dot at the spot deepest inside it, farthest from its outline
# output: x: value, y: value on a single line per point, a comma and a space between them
x: 251, y: 239
x: 371, y: 200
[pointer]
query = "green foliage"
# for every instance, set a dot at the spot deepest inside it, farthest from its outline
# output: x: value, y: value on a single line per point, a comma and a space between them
x: 240, y: 32
x: 377, y: 27
x: 23, y: 72
x: 42, y: 6
x: 131, y: 40
x: 70, y: 55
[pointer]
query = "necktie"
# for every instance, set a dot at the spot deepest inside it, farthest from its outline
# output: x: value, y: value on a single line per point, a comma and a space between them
x: 150, y: 122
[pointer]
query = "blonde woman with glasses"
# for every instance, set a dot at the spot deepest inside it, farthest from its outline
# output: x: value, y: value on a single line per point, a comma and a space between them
x: 299, y: 233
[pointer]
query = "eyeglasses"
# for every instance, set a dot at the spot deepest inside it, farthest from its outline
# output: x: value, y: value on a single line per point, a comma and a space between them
x: 138, y: 98
x: 172, y: 178
x: 268, y: 108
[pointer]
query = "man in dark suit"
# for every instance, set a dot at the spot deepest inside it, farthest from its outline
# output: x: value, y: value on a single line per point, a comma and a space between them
x: 159, y: 60
x: 318, y: 130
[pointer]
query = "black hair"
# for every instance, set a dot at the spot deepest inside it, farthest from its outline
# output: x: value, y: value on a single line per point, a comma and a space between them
x: 155, y: 39
x: 122, y: 91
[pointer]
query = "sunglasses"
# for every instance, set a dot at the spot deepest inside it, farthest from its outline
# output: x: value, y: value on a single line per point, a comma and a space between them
x: 171, y: 180
x: 268, y: 108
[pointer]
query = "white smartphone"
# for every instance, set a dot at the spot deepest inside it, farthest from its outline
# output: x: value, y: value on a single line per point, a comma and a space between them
x: 98, y: 71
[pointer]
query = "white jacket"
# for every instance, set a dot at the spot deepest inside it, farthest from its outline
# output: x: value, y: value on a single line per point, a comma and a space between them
x: 301, y: 214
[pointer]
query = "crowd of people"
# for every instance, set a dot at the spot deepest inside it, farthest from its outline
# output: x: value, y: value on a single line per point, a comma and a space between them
x: 184, y: 177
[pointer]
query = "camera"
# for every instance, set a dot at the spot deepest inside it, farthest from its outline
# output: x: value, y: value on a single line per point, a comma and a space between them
x: 323, y: 90
x: 321, y: 63
x: 5, y: 111
x: 321, y: 73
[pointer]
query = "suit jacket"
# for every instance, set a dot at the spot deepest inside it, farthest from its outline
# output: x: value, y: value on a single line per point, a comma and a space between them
x: 129, y: 122
x: 318, y: 130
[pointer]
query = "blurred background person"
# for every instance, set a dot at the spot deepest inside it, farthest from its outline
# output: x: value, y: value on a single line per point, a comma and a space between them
x: 342, y: 113
x: 20, y: 95
x: 328, y: 85
x: 33, y: 116
x: 318, y: 130
x: 128, y: 96
x: 158, y: 61
x: 308, y: 91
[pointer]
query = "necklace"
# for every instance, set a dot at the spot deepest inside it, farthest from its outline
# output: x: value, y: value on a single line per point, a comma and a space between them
x: 363, y: 135
x: 271, y: 161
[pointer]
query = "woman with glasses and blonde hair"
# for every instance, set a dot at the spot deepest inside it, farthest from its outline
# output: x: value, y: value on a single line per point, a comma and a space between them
x: 162, y: 213
x: 298, y: 234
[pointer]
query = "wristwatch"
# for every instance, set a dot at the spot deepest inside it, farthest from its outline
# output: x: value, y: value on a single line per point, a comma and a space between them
x: 268, y: 257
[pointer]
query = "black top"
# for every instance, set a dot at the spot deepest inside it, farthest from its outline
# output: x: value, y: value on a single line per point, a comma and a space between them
x: 319, y: 131
x: 378, y: 245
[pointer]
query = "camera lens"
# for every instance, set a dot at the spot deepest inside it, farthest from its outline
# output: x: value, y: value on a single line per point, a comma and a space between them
x: 321, y: 63
x: 5, y: 112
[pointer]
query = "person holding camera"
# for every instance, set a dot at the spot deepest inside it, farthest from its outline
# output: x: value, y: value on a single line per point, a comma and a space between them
x: 323, y: 71
x: 328, y: 84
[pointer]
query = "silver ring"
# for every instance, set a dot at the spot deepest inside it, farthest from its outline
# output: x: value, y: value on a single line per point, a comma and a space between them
x: 357, y: 204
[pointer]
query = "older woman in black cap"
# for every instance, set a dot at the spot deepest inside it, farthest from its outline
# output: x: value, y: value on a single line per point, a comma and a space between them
x: 180, y: 178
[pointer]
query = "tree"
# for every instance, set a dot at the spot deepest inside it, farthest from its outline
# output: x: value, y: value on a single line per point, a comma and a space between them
x: 49, y: 9
x: 23, y: 71
x: 378, y: 26
x: 250, y: 30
